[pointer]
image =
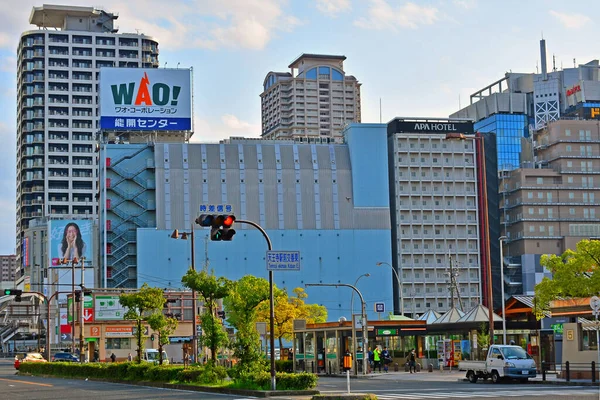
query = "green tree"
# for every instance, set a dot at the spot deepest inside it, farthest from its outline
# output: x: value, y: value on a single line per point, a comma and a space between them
x: 164, y: 326
x: 289, y: 308
x: 141, y: 305
x: 575, y: 273
x: 241, y: 306
x: 210, y: 289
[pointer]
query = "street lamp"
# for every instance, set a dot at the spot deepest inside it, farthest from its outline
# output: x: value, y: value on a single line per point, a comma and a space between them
x: 354, y: 342
x: 501, y: 239
x: 184, y: 235
x: 380, y: 263
x: 364, y: 317
x: 483, y: 208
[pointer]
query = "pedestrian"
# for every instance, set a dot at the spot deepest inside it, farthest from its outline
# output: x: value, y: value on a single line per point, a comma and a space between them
x: 129, y: 357
x: 412, y: 357
x: 371, y: 359
x: 387, y: 359
x: 113, y: 358
x: 377, y: 358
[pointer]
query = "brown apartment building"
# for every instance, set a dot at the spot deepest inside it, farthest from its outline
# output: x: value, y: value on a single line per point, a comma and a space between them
x: 550, y: 208
x: 8, y: 266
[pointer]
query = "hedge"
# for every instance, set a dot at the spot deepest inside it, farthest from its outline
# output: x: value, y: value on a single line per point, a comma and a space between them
x: 204, y: 374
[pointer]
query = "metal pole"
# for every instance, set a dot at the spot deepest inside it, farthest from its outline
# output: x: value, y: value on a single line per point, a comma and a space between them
x: 194, y: 306
x: 364, y: 316
x: 354, y: 344
x: 399, y: 284
x: 271, y: 302
x: 81, y: 320
x: 73, y: 306
x: 597, y: 337
x: 502, y: 287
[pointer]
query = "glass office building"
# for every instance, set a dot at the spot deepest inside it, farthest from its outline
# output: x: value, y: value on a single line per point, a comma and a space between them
x: 510, y: 129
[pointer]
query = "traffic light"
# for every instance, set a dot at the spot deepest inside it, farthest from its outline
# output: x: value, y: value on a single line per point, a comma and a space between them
x: 14, y: 292
x: 77, y: 296
x: 152, y: 337
x: 221, y: 225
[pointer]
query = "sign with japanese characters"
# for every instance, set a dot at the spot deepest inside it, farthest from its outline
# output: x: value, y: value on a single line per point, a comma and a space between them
x: 145, y: 99
x: 283, y: 260
x: 216, y: 208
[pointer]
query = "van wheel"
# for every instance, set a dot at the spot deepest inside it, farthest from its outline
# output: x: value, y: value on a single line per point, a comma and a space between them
x: 495, y: 377
x: 472, y: 377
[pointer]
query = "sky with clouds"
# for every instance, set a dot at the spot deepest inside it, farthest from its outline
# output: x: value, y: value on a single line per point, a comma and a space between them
x: 420, y: 58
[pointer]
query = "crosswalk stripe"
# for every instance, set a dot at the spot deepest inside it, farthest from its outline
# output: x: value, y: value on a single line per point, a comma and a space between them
x: 487, y: 394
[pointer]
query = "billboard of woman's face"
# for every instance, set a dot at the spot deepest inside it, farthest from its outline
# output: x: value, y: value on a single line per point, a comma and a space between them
x: 69, y: 240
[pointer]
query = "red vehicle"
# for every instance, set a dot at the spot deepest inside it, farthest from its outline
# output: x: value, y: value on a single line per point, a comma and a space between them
x: 29, y: 357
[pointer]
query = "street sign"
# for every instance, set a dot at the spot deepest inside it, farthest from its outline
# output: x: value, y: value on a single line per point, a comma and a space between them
x: 108, y: 308
x: 88, y: 314
x: 216, y: 208
x: 65, y: 336
x: 283, y: 260
x: 379, y: 307
x: 88, y: 301
x: 95, y: 331
x: 595, y: 303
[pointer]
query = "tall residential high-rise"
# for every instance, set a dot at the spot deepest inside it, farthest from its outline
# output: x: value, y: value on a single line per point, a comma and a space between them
x: 8, y: 266
x: 312, y: 103
x: 57, y: 107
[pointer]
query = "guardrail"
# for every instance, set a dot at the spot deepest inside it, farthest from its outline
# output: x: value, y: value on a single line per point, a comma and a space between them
x: 569, y: 370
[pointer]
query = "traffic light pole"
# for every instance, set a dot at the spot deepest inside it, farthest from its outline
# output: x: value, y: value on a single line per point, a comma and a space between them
x: 271, y: 302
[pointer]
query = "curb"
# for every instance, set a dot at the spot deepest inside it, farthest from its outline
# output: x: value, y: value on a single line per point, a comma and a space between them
x: 555, y: 383
x: 195, y: 388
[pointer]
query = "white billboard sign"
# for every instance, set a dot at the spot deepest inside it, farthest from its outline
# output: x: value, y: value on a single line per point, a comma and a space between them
x: 108, y: 308
x: 145, y: 99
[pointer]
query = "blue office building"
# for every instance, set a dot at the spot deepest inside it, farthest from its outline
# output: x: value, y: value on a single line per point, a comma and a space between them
x: 510, y: 130
x: 328, y: 201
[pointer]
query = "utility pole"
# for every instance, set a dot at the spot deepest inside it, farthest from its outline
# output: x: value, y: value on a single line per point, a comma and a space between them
x: 82, y: 356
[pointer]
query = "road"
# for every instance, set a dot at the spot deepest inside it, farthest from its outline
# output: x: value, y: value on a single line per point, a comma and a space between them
x: 400, y: 386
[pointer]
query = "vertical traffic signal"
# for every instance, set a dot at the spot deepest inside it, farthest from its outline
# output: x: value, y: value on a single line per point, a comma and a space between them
x: 77, y: 296
x: 221, y: 225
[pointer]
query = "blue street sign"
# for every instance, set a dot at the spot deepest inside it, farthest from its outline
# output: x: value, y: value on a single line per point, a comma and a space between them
x: 283, y: 260
x: 379, y: 307
x: 216, y: 208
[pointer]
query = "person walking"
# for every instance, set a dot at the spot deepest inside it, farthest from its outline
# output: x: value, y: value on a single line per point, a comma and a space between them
x: 387, y: 359
x: 371, y: 359
x: 377, y: 358
x: 113, y: 357
x: 412, y: 361
x: 129, y: 357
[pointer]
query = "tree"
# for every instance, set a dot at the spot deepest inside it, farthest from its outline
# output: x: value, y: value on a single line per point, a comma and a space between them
x: 164, y: 326
x: 287, y: 309
x: 241, y: 306
x: 141, y: 305
x: 210, y: 289
x: 575, y: 273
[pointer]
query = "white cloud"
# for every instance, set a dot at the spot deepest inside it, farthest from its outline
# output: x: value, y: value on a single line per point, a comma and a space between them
x: 466, y: 4
x: 206, y: 24
x: 228, y: 125
x: 382, y: 16
x: 570, y: 20
x: 333, y: 7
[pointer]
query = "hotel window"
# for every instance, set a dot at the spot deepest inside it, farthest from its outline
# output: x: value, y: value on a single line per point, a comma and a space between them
x: 530, y: 211
x: 571, y: 211
x: 531, y: 228
x: 540, y: 181
x: 530, y: 195
x: 540, y: 195
x: 571, y: 195
x: 549, y: 197
x: 569, y: 148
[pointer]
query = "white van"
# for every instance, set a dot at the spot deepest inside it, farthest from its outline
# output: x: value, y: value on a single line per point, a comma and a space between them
x: 151, y: 355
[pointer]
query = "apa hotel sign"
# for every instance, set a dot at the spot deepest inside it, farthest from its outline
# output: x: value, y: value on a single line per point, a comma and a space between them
x: 429, y: 126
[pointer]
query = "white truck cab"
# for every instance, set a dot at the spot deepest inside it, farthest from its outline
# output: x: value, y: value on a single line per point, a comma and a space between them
x: 503, y: 361
x: 151, y: 355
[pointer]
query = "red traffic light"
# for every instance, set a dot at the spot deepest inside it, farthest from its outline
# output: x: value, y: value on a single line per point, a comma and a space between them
x: 228, y: 221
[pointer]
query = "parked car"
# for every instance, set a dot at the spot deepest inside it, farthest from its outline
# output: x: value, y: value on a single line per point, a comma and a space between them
x: 28, y: 357
x: 152, y: 355
x: 503, y: 361
x: 65, y: 357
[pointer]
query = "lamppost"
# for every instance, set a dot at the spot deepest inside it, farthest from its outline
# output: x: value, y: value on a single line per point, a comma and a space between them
x: 501, y: 239
x: 483, y: 208
x: 364, y: 317
x: 380, y: 263
x: 184, y: 235
x: 354, y: 341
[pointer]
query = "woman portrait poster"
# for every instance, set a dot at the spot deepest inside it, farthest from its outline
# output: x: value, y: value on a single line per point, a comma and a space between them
x: 70, y: 240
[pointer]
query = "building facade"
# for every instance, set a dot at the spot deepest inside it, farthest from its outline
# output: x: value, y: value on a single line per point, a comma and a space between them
x: 435, y: 187
x: 57, y: 102
x: 548, y: 209
x: 312, y: 103
x: 328, y: 201
x: 8, y: 266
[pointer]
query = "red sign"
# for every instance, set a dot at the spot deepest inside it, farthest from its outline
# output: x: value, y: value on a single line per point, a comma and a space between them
x: 88, y: 314
x: 94, y: 331
x: 65, y: 329
x: 573, y: 90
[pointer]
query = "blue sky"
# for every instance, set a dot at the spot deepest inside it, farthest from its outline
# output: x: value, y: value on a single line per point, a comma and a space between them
x: 417, y: 57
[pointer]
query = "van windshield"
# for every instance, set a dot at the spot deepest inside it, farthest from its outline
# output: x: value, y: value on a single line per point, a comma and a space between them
x: 515, y: 353
x: 152, y: 356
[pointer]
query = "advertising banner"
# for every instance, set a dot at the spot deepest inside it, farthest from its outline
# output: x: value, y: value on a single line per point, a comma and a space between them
x: 145, y: 99
x: 25, y: 252
x: 108, y: 308
x: 118, y: 331
x: 70, y: 239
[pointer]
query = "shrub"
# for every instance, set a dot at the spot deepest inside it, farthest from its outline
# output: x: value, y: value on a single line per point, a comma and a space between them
x: 284, y: 365
x: 285, y: 381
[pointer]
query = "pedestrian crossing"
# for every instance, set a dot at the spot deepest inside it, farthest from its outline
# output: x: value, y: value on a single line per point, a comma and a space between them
x: 568, y: 393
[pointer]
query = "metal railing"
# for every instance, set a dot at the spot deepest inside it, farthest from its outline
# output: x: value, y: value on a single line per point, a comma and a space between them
x: 570, y: 370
